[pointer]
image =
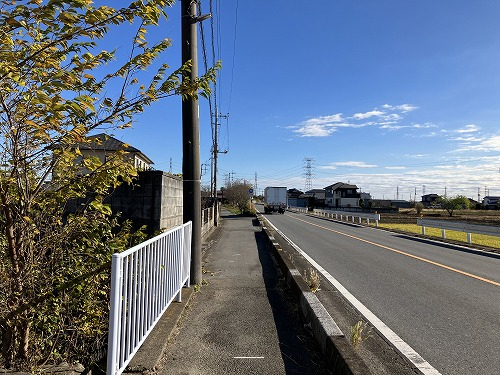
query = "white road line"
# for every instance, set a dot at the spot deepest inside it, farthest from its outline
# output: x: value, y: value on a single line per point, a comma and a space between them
x: 397, y: 342
x: 248, y: 357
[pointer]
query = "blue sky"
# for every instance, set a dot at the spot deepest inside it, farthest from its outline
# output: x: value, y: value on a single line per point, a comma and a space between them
x: 388, y: 95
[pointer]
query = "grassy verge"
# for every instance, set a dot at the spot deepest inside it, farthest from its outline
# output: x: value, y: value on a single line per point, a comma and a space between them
x: 477, y: 239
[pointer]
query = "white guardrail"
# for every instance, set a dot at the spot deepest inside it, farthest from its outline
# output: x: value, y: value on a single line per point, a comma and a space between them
x: 341, y: 215
x: 459, y: 227
x: 145, y: 279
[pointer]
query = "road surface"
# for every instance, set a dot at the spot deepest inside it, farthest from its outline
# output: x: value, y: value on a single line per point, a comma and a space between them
x: 442, y: 300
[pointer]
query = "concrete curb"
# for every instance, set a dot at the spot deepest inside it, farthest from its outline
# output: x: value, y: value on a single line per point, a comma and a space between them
x: 340, y: 354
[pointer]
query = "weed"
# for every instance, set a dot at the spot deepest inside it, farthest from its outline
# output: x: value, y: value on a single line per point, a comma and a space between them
x: 312, y: 279
x: 359, y: 333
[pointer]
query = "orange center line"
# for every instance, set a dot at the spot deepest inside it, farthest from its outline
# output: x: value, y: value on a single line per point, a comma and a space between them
x: 403, y: 253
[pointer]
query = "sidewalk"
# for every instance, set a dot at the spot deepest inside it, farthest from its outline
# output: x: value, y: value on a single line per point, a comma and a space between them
x: 240, y: 322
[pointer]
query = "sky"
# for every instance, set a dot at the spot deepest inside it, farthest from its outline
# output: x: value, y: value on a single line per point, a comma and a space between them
x: 400, y: 98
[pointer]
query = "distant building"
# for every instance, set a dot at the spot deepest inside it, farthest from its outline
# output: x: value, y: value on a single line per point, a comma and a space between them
x: 365, y: 199
x: 103, y: 146
x: 293, y: 197
x: 429, y: 200
x: 341, y: 195
x: 491, y: 202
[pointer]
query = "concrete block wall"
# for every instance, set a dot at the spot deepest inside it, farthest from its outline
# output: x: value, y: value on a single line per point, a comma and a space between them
x: 155, y: 200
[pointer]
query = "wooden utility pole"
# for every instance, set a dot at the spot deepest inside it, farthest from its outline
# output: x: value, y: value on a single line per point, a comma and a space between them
x: 191, y: 170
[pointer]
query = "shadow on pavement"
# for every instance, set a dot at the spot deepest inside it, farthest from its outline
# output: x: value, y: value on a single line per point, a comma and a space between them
x: 299, y: 351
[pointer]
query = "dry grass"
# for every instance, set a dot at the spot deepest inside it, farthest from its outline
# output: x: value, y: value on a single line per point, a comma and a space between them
x: 478, y: 239
x: 359, y: 333
x: 312, y: 279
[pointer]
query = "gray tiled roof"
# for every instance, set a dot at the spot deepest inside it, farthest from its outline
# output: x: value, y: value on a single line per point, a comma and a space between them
x: 107, y: 143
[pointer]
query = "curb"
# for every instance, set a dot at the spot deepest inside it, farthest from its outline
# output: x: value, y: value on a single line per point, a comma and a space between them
x: 339, y: 353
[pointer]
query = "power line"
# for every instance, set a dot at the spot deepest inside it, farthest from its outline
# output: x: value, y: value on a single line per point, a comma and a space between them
x: 234, y: 54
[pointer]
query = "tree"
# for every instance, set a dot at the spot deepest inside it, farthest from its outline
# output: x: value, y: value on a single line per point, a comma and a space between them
x: 237, y: 194
x: 451, y: 204
x: 57, y: 86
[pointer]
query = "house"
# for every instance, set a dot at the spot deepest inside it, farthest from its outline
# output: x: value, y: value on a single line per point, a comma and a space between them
x: 103, y: 146
x: 293, y: 197
x: 473, y: 204
x: 429, y: 200
x: 341, y: 195
x: 491, y: 202
x: 365, y: 199
x: 311, y: 198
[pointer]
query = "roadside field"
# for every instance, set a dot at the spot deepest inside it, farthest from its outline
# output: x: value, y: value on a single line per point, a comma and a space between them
x: 477, y: 239
x: 405, y: 221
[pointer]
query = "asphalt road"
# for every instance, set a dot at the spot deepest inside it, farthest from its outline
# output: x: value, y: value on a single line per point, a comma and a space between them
x: 442, y: 300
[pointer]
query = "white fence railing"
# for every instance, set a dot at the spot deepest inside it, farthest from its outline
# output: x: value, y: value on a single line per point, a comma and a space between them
x: 341, y: 215
x: 459, y: 227
x: 144, y: 281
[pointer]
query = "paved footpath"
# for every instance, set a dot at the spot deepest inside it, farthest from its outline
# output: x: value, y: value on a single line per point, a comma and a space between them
x: 240, y: 322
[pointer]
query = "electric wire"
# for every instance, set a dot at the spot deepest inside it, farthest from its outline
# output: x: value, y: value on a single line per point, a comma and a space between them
x: 234, y: 55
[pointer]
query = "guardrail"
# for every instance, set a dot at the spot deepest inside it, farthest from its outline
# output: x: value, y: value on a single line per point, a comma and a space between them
x: 459, y: 227
x: 340, y: 215
x: 145, y: 279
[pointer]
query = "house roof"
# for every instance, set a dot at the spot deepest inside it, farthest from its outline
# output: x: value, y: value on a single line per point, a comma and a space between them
x: 430, y: 196
x: 341, y: 185
x: 105, y: 142
x: 315, y: 191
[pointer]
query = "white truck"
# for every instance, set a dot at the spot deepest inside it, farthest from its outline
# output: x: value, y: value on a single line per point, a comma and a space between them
x: 275, y: 199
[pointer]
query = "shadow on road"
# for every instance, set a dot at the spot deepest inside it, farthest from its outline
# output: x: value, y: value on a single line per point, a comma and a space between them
x: 299, y: 351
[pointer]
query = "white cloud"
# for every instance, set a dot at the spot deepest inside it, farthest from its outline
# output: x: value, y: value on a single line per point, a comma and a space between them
x: 492, y: 144
x: 406, y: 107
x: 396, y: 168
x: 427, y: 125
x: 355, y: 164
x: 323, y: 126
x: 403, y: 107
x: 394, y: 127
x: 362, y: 116
x: 324, y: 120
x: 312, y: 130
x: 469, y: 129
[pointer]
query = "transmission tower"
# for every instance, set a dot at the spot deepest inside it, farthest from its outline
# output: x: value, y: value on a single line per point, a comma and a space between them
x: 308, y: 173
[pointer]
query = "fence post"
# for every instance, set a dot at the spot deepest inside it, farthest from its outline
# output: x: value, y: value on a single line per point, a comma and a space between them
x: 181, y: 264
x: 114, y: 329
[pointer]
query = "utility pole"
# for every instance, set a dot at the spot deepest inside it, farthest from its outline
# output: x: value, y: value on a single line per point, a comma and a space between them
x: 191, y: 171
x: 215, y: 156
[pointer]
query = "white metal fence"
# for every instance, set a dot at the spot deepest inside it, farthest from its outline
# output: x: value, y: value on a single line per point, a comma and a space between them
x: 459, y: 227
x: 144, y: 281
x: 341, y: 215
